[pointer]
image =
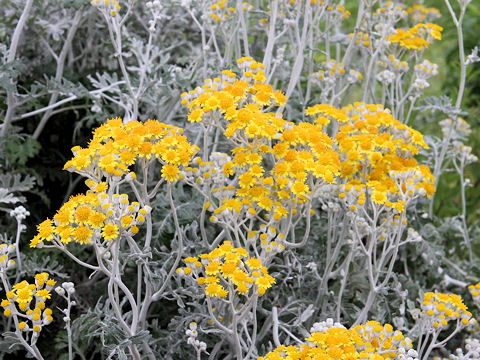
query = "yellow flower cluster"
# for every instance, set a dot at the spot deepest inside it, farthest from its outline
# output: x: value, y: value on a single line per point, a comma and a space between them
x: 377, y: 154
x: 312, y: 2
x: 324, y: 113
x: 275, y: 162
x: 110, y: 6
x: 219, y: 10
x: 438, y: 309
x: 367, y: 341
x: 115, y: 146
x: 389, y: 7
x: 382, y: 342
x: 331, y: 69
x: 475, y: 292
x: 89, y: 216
x: 228, y: 95
x: 227, y: 267
x: 419, y: 13
x: 361, y: 38
x: 393, y: 64
x: 20, y: 299
x: 417, y: 37
x: 271, y: 241
x: 338, y: 11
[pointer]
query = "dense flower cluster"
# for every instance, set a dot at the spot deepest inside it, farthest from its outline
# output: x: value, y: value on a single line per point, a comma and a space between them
x: 226, y: 96
x: 227, y: 267
x: 336, y: 11
x: 361, y: 38
x: 417, y: 37
x: 331, y: 71
x: 110, y: 7
x: 116, y: 146
x: 323, y: 114
x: 23, y: 295
x: 367, y: 341
x: 88, y: 217
x: 220, y: 10
x: 419, y: 13
x: 438, y: 309
x: 271, y: 241
x: 390, y: 9
x: 424, y: 71
x: 377, y: 155
x: 394, y: 65
x: 459, y: 128
x: 275, y: 163
x: 475, y: 292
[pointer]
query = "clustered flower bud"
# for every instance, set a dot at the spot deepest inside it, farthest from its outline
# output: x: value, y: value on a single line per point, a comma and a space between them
x: 27, y: 301
x: 5, y: 251
x: 108, y: 7
x: 192, y: 334
x: 20, y: 213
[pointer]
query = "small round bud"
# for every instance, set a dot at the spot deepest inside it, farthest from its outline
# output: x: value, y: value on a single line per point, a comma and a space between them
x: 59, y: 290
x: 11, y: 265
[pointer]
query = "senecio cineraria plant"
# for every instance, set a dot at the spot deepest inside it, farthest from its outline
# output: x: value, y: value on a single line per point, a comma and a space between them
x: 277, y: 209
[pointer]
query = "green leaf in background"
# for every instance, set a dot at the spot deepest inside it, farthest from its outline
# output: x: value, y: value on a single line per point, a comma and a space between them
x: 19, y: 149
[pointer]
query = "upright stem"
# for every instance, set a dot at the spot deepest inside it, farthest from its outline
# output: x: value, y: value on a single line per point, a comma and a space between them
x: 236, y: 340
x: 298, y: 64
x: 59, y: 72
x: 276, y: 340
x: 17, y: 248
x: 254, y: 331
x: 267, y: 58
x: 244, y: 28
x: 69, y: 329
x: 461, y: 89
x: 115, y: 31
x: 12, y: 52
x: 156, y: 296
x: 460, y: 169
x: 349, y: 52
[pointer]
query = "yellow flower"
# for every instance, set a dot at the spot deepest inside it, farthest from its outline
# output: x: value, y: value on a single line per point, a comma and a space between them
x: 215, y: 290
x: 110, y: 231
x: 82, y: 234
x: 246, y: 180
x: 44, y: 294
x: 254, y: 263
x: 45, y: 230
x: 170, y: 172
x: 24, y: 295
x: 212, y: 268
x: 299, y: 188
